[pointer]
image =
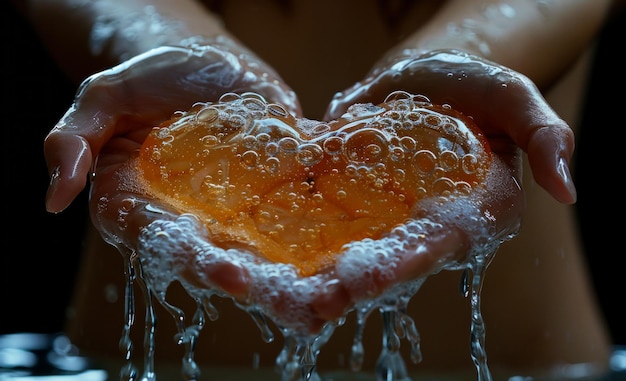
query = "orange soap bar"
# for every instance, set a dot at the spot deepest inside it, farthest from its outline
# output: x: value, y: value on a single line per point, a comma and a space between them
x: 296, y: 190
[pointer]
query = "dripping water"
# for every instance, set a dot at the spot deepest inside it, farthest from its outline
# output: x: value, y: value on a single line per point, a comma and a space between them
x: 261, y: 322
x: 298, y: 358
x: 358, y: 351
x: 390, y: 365
x: 150, y: 323
x: 129, y: 370
x: 478, y: 265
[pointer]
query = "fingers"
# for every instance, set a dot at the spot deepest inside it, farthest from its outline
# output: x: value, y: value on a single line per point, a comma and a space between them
x: 425, y: 250
x: 230, y: 277
x: 333, y: 301
x: 505, y: 104
x: 550, y: 149
x: 519, y: 111
x: 69, y: 161
x: 70, y: 149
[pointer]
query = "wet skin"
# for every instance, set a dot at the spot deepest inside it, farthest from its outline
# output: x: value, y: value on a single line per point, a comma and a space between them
x: 115, y: 110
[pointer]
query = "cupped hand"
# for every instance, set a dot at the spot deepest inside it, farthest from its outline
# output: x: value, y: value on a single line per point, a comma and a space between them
x: 115, y: 109
x: 514, y: 117
x: 304, y: 219
x: 507, y: 106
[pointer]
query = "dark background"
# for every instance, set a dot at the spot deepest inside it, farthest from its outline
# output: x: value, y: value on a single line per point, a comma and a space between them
x: 42, y: 251
x: 600, y: 160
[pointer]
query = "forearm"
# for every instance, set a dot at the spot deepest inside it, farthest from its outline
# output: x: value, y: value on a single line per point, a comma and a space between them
x: 536, y: 39
x: 88, y: 36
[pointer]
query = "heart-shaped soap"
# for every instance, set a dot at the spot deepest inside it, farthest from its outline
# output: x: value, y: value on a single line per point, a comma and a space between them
x: 295, y: 190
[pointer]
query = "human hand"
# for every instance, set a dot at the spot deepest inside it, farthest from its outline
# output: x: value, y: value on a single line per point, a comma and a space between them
x: 507, y: 106
x: 115, y: 109
x: 122, y: 212
x: 271, y: 227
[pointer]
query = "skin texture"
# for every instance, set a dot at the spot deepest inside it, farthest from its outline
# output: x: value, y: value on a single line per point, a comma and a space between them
x: 110, y: 118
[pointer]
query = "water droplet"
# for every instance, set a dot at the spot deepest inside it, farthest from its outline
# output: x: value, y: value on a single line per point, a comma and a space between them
x: 288, y: 144
x: 320, y: 129
x: 449, y: 160
x: 209, y: 141
x: 309, y: 154
x: 425, y: 161
x: 250, y: 159
x: 333, y: 145
x: 469, y: 164
x: 399, y: 174
x: 443, y: 186
x: 433, y: 120
x: 408, y: 143
x: 277, y: 110
x: 207, y: 115
x: 254, y: 104
x: 397, y: 154
x: 229, y: 97
x: 250, y: 141
x: 398, y: 95
x: 365, y: 146
x: 272, y: 164
x: 236, y: 121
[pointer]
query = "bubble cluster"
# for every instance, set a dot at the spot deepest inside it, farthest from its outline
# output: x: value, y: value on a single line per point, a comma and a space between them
x: 283, y: 209
x: 298, y: 190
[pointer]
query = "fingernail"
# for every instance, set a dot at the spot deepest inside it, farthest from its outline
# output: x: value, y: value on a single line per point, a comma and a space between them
x: 52, y: 188
x: 566, y: 176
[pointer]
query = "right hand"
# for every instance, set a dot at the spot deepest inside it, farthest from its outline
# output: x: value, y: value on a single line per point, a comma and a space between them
x: 115, y: 109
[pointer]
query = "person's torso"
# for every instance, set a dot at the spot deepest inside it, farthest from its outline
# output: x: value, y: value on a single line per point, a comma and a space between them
x: 324, y: 46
